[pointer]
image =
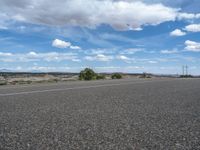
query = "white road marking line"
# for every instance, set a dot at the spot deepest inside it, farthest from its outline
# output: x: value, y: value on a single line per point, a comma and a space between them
x: 76, y: 88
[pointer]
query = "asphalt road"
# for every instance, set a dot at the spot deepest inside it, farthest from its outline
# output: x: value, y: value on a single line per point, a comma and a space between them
x: 119, y: 115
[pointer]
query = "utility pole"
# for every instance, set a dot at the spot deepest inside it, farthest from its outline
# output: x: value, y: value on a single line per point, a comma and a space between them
x: 183, y: 69
x: 186, y: 67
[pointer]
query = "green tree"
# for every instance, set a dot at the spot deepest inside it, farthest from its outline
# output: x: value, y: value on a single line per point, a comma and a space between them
x: 116, y: 76
x: 87, y: 74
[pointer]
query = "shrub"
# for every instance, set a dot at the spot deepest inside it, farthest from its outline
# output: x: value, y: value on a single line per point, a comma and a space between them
x: 100, y: 77
x: 186, y: 76
x: 116, y: 76
x: 87, y: 74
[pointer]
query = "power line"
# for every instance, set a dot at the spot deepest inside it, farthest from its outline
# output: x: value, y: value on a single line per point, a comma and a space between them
x: 186, y: 67
x: 185, y: 70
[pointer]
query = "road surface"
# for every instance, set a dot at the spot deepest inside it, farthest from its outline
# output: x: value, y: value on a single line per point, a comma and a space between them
x: 116, y: 114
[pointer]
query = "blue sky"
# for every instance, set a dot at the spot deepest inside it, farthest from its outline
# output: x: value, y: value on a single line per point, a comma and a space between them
x: 157, y: 36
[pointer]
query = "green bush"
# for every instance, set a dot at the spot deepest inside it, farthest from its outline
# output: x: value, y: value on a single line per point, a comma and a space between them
x: 87, y: 74
x: 100, y: 77
x: 186, y: 76
x: 116, y: 76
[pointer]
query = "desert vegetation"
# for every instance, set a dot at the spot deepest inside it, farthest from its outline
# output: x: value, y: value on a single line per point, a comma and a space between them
x: 116, y: 76
x: 89, y: 74
x: 14, y: 78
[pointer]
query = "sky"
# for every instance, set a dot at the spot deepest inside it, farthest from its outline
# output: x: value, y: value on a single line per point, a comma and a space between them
x: 132, y: 36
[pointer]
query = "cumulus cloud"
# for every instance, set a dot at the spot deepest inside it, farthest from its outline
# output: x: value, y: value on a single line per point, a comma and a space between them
x: 37, y: 57
x: 60, y: 44
x: 177, y: 32
x: 99, y: 57
x: 192, y: 46
x: 121, y: 15
x: 193, y: 28
x: 64, y: 44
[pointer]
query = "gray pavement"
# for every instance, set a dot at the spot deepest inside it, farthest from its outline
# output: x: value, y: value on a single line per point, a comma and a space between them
x: 115, y: 114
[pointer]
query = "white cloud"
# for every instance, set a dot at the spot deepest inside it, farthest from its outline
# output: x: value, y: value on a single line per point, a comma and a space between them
x: 133, y: 14
x: 75, y: 47
x: 177, y: 32
x: 76, y: 60
x: 3, y: 21
x: 99, y: 57
x: 99, y: 51
x: 188, y: 16
x: 37, y: 57
x: 152, y: 62
x: 18, y: 17
x: 32, y: 54
x: 193, y: 28
x: 126, y: 69
x: 60, y: 44
x: 131, y: 51
x: 192, y: 46
x: 3, y: 27
x: 121, y: 15
x: 169, y: 51
x: 47, y: 69
x: 5, y: 54
x: 102, y: 57
x: 124, y: 58
x: 115, y: 37
x: 138, y: 29
x: 43, y: 68
x: 64, y: 44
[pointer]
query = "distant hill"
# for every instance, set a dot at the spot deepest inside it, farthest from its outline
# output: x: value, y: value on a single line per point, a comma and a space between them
x: 35, y: 71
